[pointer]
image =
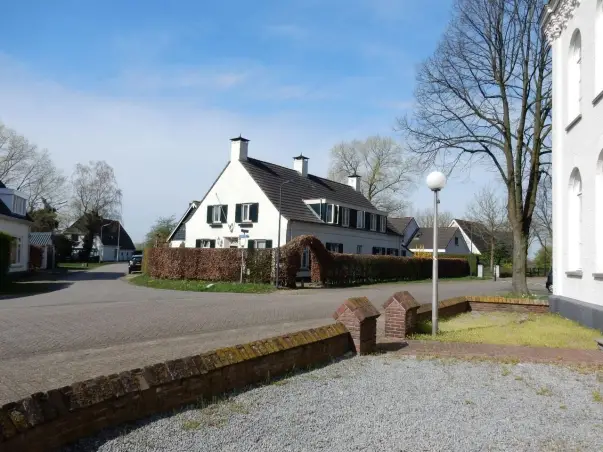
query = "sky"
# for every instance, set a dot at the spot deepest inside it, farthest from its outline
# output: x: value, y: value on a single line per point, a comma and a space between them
x: 157, y: 89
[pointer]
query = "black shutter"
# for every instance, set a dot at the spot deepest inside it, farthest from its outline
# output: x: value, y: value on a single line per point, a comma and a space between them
x: 378, y: 223
x: 238, y: 213
x: 367, y: 221
x: 212, y: 243
x: 323, y: 212
x: 375, y: 250
x: 268, y: 243
x: 340, y: 248
x: 209, y: 213
x: 383, y: 251
x: 223, y: 213
x: 353, y: 218
x: 339, y: 211
x: 198, y: 243
x: 253, y: 213
x: 250, y: 243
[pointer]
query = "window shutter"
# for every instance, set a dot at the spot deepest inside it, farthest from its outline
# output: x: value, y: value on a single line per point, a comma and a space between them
x: 250, y: 243
x: 198, y: 243
x: 375, y: 250
x: 223, y: 213
x: 353, y: 218
x: 268, y: 243
x: 339, y: 211
x: 212, y: 243
x: 340, y: 248
x: 238, y: 213
x: 210, y: 210
x: 323, y: 212
x: 367, y: 221
x: 253, y: 212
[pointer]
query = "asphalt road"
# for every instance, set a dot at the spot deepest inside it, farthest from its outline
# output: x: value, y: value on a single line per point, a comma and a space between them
x: 100, y: 324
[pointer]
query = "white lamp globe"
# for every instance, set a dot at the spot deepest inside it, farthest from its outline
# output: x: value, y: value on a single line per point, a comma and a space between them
x: 436, y: 181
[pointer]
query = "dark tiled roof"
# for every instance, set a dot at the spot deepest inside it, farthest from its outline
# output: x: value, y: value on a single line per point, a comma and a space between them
x: 110, y: 235
x: 269, y: 177
x: 40, y: 238
x: 180, y: 232
x: 424, y: 238
x: 479, y: 235
x: 399, y: 225
x: 2, y: 184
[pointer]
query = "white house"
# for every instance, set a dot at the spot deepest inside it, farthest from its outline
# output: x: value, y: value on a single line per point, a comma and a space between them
x: 15, y: 221
x: 450, y: 241
x: 574, y: 30
x: 478, y: 237
x: 112, y: 243
x: 406, y: 227
x: 247, y: 196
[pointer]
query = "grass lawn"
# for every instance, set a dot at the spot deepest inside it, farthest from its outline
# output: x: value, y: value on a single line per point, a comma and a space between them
x: 511, y: 328
x: 200, y: 286
x: 81, y: 266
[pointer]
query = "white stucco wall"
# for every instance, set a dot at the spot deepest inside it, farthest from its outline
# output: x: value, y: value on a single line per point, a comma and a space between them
x: 578, y: 147
x: 451, y: 248
x: 20, y: 229
x: 235, y: 186
x: 176, y: 243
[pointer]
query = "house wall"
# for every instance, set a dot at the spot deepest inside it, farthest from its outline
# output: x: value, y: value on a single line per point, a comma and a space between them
x: 176, y: 243
x: 349, y: 237
x: 577, y: 147
x: 451, y: 248
x: 235, y: 186
x: 19, y: 229
x: 472, y: 249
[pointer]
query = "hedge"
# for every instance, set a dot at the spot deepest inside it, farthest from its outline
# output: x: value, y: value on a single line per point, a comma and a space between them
x: 5, y: 242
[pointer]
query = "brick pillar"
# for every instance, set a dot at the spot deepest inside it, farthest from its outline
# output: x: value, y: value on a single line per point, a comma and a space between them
x: 359, y: 316
x: 400, y: 315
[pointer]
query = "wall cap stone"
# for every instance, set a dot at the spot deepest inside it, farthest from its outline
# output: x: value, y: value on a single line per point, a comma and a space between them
x: 361, y: 307
x: 404, y: 299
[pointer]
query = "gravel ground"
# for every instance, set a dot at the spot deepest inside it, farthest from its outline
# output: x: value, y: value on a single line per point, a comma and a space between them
x: 387, y: 403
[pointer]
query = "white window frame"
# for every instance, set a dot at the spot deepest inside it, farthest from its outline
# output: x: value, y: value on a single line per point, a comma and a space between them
x: 373, y: 222
x: 382, y: 223
x: 217, y: 209
x: 360, y: 219
x: 599, y: 50
x: 331, y: 220
x: 358, y: 249
x: 246, y: 216
x: 257, y: 244
x: 574, y: 78
x: 16, y: 247
x: 205, y: 243
x: 345, y: 217
x: 18, y: 205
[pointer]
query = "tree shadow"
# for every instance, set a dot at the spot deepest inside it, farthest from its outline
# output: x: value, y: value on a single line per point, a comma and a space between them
x: 97, y: 276
x: 29, y: 288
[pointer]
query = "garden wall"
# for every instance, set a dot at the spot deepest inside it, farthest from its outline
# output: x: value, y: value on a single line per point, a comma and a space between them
x: 51, y: 419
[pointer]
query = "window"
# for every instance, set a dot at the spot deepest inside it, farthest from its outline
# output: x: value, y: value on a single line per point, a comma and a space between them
x: 216, y: 216
x: 15, y: 251
x: 259, y: 244
x: 345, y: 217
x: 599, y: 48
x: 599, y: 213
x: 360, y: 219
x: 574, y: 218
x: 358, y: 249
x: 334, y: 247
x: 574, y: 76
x: 330, y: 213
x: 379, y: 250
x: 382, y: 223
x: 246, y: 212
x: 18, y: 205
x: 205, y: 243
x: 373, y: 222
x: 456, y: 241
x: 305, y: 259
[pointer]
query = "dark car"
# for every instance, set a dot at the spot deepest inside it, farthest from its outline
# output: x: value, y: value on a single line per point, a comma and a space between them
x: 135, y: 264
x: 549, y: 281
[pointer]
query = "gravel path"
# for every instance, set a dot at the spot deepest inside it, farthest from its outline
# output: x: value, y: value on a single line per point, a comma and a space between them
x: 388, y: 403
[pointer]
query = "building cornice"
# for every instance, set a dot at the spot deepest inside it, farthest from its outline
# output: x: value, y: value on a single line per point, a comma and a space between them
x: 557, y: 14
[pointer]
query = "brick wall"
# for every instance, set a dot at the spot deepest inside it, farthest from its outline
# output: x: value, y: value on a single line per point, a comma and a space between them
x: 480, y: 306
x: 49, y: 420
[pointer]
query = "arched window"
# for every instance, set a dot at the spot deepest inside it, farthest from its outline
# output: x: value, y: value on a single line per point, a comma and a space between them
x: 599, y: 213
x: 574, y: 221
x: 574, y: 63
x: 599, y: 48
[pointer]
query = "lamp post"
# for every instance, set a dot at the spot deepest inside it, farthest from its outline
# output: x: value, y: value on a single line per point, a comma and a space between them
x: 100, y: 257
x: 436, y: 182
x: 278, y: 239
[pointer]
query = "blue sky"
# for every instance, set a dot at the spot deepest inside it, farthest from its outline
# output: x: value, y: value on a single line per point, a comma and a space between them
x: 158, y: 90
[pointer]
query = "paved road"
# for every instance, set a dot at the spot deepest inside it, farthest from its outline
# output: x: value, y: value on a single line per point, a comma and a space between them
x: 101, y: 324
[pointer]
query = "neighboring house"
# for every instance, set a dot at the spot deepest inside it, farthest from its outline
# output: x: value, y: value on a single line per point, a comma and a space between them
x: 478, y: 238
x: 406, y: 227
x: 178, y: 235
x: 44, y: 240
x: 450, y: 241
x: 574, y: 30
x: 15, y: 221
x: 112, y: 244
x: 246, y: 196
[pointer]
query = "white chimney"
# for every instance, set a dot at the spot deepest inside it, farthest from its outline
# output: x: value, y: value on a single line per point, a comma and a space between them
x: 238, y: 148
x: 300, y: 164
x: 354, y: 181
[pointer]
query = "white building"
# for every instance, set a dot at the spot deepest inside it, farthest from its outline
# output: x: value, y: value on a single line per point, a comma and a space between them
x: 112, y: 243
x: 247, y: 194
x: 450, y: 241
x: 14, y: 221
x: 574, y: 30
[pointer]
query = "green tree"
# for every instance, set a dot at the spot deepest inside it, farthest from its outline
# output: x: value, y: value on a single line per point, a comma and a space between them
x: 160, y: 231
x: 63, y: 246
x: 44, y: 219
x: 543, y: 257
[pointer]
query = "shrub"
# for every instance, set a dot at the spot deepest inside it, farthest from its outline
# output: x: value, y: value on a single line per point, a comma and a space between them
x: 472, y: 259
x: 5, y: 242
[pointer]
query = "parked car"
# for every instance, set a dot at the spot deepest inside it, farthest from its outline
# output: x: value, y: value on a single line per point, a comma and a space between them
x: 135, y: 264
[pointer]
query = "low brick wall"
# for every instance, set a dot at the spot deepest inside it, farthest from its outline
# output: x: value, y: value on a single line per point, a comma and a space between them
x: 45, y: 421
x: 446, y: 308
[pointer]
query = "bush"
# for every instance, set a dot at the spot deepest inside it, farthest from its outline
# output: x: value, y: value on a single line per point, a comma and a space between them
x: 5, y: 242
x: 472, y: 259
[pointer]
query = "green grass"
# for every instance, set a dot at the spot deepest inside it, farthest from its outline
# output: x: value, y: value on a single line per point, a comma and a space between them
x: 200, y: 286
x: 597, y: 397
x: 82, y: 266
x: 510, y: 328
x: 529, y: 297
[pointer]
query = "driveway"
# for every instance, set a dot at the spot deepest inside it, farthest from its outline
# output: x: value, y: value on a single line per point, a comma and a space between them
x: 100, y: 324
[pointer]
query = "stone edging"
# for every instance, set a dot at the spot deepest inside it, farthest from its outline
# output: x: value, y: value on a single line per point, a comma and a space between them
x: 48, y: 420
x: 505, y: 300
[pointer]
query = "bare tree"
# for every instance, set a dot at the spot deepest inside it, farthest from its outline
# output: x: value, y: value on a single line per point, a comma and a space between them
x: 485, y: 97
x: 26, y: 168
x: 488, y: 211
x: 387, y: 175
x: 424, y: 218
x: 543, y: 213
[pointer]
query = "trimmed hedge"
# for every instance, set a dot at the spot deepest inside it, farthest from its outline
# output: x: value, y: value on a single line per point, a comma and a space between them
x: 5, y: 242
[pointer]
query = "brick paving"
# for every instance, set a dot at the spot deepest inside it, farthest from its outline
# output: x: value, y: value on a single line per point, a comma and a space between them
x: 503, y: 352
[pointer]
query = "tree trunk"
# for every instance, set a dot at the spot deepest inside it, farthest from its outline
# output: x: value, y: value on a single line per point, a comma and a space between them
x: 520, y: 252
x: 492, y: 259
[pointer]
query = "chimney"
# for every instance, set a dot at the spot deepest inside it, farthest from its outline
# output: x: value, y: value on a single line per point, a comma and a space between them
x: 300, y: 164
x: 238, y: 148
x: 354, y: 181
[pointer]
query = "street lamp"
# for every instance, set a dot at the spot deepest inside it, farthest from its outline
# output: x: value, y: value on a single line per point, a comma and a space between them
x: 278, y: 239
x: 100, y: 258
x: 436, y: 181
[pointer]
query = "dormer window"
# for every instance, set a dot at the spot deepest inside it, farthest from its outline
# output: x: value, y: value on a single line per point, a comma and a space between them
x: 345, y: 217
x: 19, y: 205
x: 330, y: 213
x: 360, y: 219
x: 373, y: 222
x: 382, y: 223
